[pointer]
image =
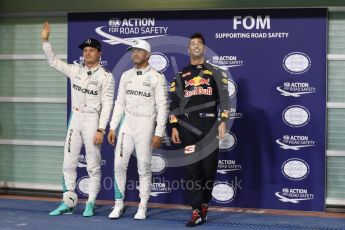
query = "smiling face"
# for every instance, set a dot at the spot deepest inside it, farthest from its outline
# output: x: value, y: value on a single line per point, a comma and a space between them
x: 91, y: 55
x: 139, y: 56
x: 196, y: 48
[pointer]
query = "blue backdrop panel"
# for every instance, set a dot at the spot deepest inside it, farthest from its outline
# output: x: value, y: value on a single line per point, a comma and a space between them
x: 274, y: 153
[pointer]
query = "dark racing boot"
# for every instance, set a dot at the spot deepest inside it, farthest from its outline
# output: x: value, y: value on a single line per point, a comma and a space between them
x: 196, y: 219
x: 204, y: 210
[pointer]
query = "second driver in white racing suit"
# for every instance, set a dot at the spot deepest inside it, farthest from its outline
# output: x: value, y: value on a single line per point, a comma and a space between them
x: 140, y: 115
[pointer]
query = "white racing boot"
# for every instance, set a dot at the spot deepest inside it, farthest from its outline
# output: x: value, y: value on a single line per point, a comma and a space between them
x: 118, y: 210
x: 141, y: 213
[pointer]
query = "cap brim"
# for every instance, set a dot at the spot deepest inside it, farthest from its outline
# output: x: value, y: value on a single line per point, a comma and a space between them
x: 130, y: 48
x: 82, y: 46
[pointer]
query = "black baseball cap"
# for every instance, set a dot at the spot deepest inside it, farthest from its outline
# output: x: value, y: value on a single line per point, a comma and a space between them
x: 92, y: 43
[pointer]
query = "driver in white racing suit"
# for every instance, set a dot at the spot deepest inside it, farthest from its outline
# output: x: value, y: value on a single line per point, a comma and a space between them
x: 92, y: 89
x: 140, y: 115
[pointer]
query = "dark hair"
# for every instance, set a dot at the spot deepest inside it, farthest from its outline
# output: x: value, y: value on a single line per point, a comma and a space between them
x: 198, y: 35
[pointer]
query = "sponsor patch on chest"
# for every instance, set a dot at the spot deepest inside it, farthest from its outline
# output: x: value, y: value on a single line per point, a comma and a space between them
x: 138, y: 93
x: 198, y: 91
x: 93, y: 82
x: 84, y: 90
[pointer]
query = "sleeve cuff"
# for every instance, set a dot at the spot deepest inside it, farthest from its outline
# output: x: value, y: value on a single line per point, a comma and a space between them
x: 224, y: 115
x: 113, y: 126
x: 102, y: 127
x: 224, y: 119
x: 174, y: 125
x: 158, y: 134
x: 46, y: 44
x: 173, y: 121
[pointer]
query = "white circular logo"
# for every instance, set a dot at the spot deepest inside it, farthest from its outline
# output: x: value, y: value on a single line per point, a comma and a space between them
x: 296, y: 116
x: 295, y: 169
x: 114, y: 22
x: 158, y: 164
x: 296, y: 63
x: 83, y: 185
x: 223, y: 192
x: 228, y: 142
x: 159, y: 62
x: 70, y: 199
x: 232, y: 88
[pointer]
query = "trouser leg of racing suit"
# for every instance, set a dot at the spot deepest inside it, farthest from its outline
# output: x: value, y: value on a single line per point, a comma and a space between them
x: 72, y: 148
x: 82, y: 128
x: 208, y: 169
x: 202, y: 172
x: 134, y: 133
x: 144, y: 155
x: 93, y: 154
x: 123, y: 151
